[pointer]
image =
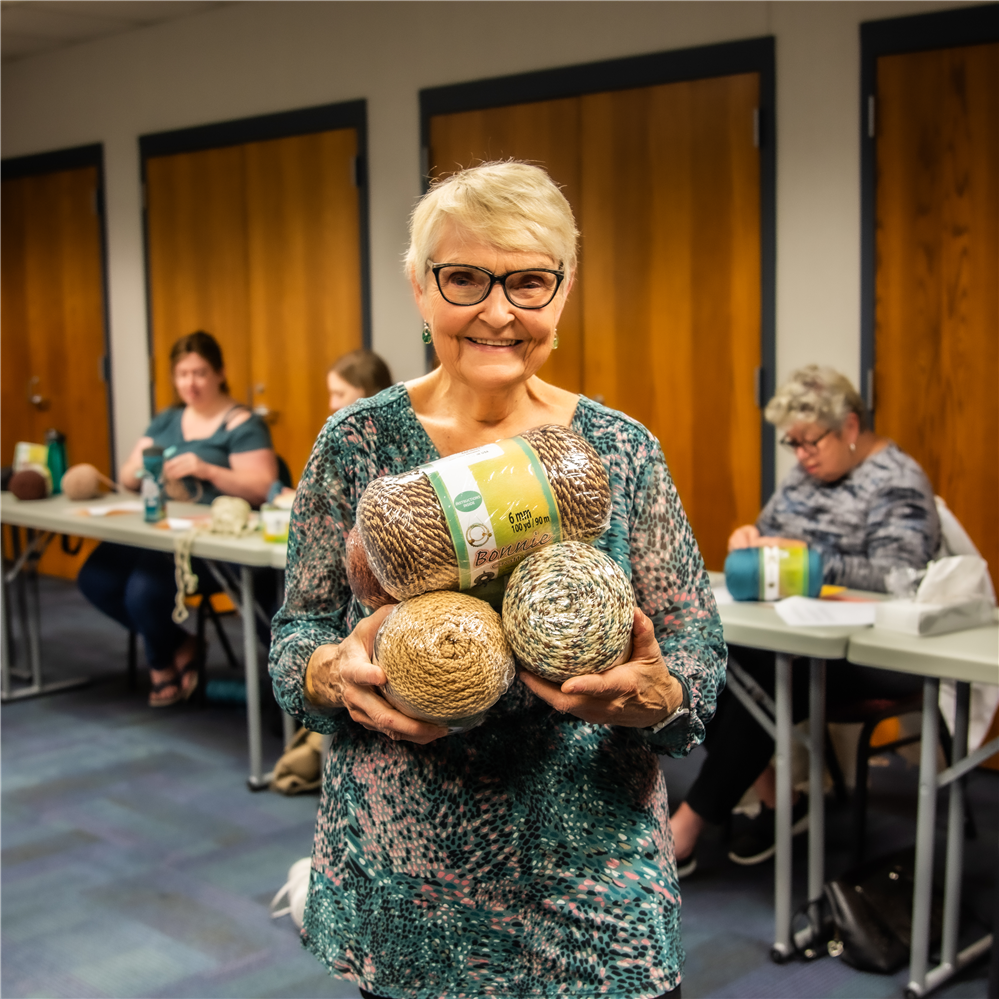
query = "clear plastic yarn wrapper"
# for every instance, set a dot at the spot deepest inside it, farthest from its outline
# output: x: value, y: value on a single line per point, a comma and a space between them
x: 467, y: 519
x: 569, y: 610
x: 446, y: 659
x: 363, y: 582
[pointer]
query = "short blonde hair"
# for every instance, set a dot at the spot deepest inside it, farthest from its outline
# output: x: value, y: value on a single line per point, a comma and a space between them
x: 508, y: 204
x: 814, y: 394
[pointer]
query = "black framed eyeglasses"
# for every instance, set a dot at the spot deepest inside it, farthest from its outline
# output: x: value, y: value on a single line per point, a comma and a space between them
x: 809, y: 447
x: 466, y: 284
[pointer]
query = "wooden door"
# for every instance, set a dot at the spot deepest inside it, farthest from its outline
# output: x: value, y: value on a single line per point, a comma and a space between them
x: 198, y: 269
x: 665, y: 185
x: 304, y: 279
x: 937, y: 275
x: 546, y: 133
x: 672, y: 296
x: 259, y: 244
x: 53, y: 323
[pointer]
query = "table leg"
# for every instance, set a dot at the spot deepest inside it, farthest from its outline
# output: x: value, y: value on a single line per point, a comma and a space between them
x: 816, y: 781
x: 256, y: 780
x: 781, y: 949
x: 5, y: 646
x: 955, y: 833
x: 925, y: 825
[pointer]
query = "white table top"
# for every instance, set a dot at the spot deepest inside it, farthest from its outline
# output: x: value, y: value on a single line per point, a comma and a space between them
x: 971, y: 656
x: 62, y: 515
x: 756, y: 624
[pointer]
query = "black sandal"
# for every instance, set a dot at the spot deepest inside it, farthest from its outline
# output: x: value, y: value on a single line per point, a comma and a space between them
x: 155, y: 688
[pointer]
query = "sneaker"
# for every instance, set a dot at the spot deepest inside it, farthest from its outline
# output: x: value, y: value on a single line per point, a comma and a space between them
x: 687, y: 866
x: 757, y: 842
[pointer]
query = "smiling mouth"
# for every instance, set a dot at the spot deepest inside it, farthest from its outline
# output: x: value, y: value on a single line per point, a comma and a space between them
x: 495, y: 343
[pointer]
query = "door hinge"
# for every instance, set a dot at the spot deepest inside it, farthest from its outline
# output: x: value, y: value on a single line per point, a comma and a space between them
x: 870, y: 116
x: 870, y: 390
x: 756, y: 128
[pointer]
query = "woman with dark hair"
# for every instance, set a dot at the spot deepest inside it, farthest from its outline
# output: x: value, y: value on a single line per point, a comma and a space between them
x: 357, y: 375
x: 212, y: 446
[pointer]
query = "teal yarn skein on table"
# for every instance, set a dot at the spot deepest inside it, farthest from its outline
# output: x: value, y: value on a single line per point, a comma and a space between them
x: 744, y: 569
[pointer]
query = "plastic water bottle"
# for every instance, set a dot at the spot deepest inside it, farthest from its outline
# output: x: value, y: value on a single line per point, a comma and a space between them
x: 56, y: 458
x: 152, y: 485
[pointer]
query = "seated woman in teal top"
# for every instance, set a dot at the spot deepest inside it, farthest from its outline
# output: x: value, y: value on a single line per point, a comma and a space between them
x: 213, y: 447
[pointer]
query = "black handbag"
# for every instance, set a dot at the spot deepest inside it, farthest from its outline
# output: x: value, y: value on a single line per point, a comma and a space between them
x: 865, y: 916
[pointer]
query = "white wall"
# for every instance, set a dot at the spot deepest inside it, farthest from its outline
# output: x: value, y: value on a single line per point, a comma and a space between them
x: 276, y: 55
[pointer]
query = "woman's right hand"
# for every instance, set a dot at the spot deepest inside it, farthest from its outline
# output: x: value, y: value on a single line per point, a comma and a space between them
x: 343, y: 676
x: 746, y: 536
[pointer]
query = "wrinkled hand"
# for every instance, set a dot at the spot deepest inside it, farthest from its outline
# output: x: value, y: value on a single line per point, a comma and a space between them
x: 184, y: 465
x: 749, y: 537
x: 637, y: 694
x: 344, y: 676
x: 744, y: 537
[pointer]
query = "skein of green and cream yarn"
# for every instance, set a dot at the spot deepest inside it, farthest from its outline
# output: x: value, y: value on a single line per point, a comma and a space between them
x: 446, y: 659
x: 569, y: 609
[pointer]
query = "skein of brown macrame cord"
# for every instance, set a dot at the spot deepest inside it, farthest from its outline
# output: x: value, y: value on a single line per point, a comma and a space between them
x: 84, y: 481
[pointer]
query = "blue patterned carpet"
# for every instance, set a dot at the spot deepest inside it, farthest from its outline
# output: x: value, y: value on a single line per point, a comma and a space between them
x: 136, y: 863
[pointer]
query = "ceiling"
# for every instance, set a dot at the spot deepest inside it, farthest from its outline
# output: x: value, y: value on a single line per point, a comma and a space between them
x: 28, y: 27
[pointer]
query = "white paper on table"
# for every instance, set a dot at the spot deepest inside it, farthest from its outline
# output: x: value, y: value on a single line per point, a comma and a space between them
x: 129, y: 506
x: 179, y: 523
x: 806, y: 611
x: 722, y: 596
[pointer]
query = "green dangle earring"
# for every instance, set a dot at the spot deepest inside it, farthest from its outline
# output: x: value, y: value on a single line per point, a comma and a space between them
x: 555, y: 341
x: 427, y: 335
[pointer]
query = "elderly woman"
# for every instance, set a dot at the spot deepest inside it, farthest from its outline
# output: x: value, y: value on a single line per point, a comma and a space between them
x: 868, y: 508
x: 530, y: 856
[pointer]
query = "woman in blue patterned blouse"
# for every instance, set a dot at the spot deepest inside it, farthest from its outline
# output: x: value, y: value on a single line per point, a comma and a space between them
x: 868, y: 508
x: 530, y: 856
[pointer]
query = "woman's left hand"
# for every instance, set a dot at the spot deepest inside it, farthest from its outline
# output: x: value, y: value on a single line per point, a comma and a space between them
x: 185, y: 465
x: 637, y: 694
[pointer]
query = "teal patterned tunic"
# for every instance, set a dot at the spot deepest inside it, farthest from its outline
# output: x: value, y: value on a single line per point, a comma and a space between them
x: 530, y: 856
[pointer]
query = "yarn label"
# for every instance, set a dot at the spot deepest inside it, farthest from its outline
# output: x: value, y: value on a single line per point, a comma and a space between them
x: 499, y: 507
x: 783, y: 572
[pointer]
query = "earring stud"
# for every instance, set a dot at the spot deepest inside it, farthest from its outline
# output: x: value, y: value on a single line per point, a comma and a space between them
x: 428, y: 337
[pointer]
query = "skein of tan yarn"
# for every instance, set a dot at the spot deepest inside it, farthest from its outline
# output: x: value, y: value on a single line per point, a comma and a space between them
x: 404, y: 529
x: 446, y: 658
x: 83, y: 482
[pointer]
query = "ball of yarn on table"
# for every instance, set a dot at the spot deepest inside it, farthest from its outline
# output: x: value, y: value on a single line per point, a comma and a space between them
x: 29, y: 485
x: 83, y: 482
x: 568, y: 610
x: 405, y: 531
x: 363, y: 582
x: 446, y: 658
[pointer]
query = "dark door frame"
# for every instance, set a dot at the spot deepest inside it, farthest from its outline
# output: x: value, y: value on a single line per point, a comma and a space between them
x: 753, y: 55
x: 282, y: 125
x: 894, y: 36
x: 74, y: 159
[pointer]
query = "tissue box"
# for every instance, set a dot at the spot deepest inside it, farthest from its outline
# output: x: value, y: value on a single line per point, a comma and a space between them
x: 934, y: 619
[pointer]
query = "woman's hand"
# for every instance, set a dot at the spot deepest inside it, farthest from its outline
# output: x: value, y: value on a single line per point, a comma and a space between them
x: 343, y: 676
x: 746, y: 536
x: 637, y: 694
x: 749, y: 537
x: 187, y: 464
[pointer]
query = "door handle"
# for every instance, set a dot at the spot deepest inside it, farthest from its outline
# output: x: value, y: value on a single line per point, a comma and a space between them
x: 34, y: 396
